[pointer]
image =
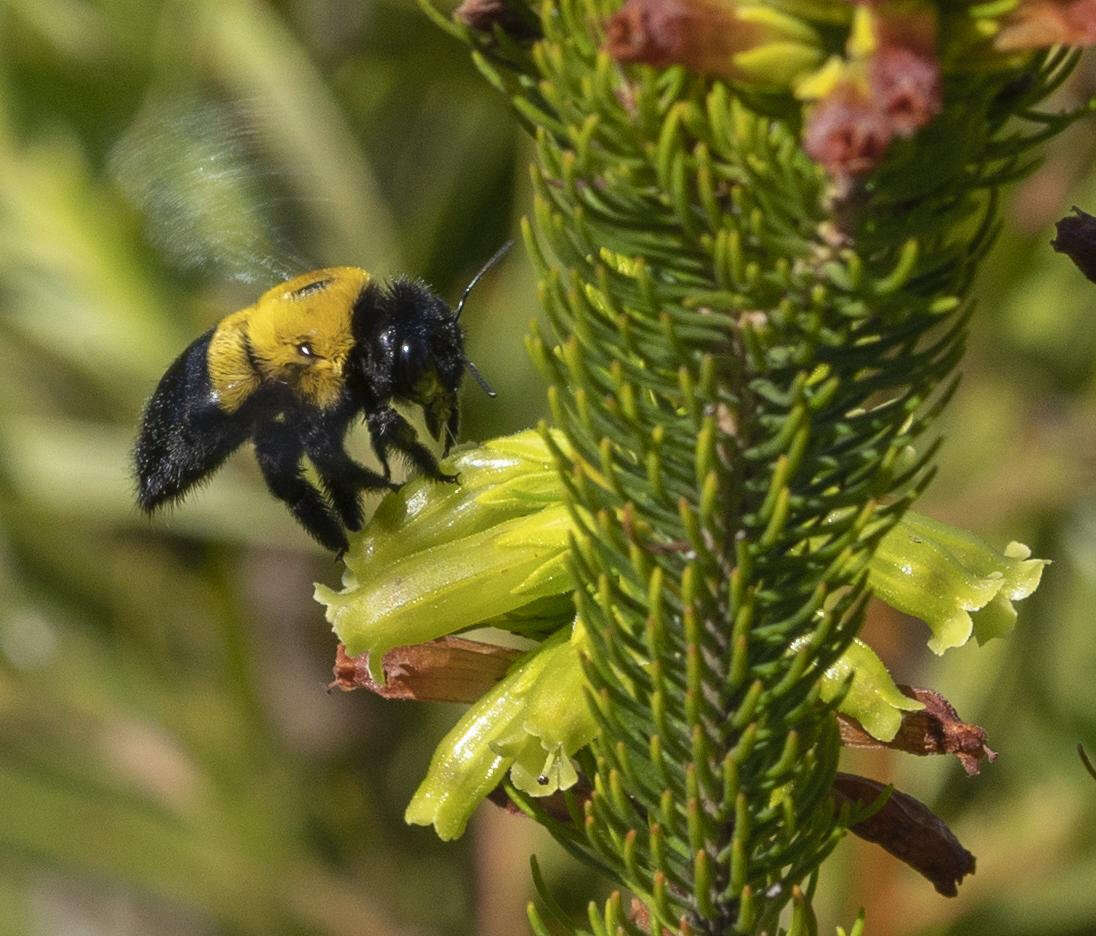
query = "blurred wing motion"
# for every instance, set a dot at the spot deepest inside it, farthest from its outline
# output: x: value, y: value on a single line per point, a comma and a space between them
x: 198, y: 171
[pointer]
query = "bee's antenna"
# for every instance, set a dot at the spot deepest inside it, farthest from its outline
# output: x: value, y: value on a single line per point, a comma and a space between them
x: 479, y: 378
x: 498, y: 255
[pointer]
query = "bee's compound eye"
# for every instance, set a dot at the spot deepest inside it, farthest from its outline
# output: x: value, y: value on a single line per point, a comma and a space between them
x: 304, y: 349
x: 410, y: 358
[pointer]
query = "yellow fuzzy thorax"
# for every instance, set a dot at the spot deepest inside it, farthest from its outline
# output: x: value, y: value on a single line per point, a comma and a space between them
x: 262, y: 342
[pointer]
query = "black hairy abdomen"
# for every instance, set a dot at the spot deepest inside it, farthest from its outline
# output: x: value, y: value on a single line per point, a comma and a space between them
x: 184, y: 434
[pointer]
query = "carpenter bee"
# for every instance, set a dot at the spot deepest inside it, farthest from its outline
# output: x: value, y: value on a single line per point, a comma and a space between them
x: 291, y: 372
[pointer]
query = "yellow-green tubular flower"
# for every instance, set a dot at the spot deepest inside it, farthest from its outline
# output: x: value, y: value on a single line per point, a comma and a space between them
x: 952, y: 580
x: 530, y: 724
x: 437, y: 559
x: 503, y: 478
x: 793, y: 48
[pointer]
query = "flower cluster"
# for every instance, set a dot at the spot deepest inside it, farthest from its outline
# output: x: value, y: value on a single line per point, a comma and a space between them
x: 491, y: 552
x: 744, y: 345
x: 884, y: 85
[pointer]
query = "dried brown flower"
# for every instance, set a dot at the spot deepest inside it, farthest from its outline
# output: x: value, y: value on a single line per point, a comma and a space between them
x: 935, y: 729
x: 450, y: 669
x: 905, y: 86
x: 889, y: 87
x: 909, y: 830
x: 847, y: 133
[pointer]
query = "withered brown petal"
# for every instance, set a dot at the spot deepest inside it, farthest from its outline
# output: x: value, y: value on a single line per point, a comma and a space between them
x: 909, y: 830
x: 936, y: 729
x: 1077, y: 240
x: 450, y: 669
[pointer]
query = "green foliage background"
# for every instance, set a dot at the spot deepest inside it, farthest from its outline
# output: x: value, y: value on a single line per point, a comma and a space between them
x: 169, y: 761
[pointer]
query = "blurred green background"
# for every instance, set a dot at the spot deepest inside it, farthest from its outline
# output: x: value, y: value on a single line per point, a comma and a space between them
x: 170, y: 762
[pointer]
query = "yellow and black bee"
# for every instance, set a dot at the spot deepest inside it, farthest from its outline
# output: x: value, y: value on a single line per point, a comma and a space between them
x: 291, y: 372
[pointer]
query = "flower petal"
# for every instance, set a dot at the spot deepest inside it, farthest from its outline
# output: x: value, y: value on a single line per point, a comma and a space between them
x: 952, y: 580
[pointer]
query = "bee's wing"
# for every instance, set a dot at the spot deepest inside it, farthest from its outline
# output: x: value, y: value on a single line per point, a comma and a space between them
x: 185, y: 435
x: 212, y: 202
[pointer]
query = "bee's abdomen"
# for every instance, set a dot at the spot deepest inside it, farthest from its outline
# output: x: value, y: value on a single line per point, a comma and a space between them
x: 184, y: 434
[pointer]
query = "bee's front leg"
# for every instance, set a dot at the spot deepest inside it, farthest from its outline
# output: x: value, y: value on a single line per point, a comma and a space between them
x: 389, y: 431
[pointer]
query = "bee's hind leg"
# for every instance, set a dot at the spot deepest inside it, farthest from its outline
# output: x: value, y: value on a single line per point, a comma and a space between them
x: 278, y: 451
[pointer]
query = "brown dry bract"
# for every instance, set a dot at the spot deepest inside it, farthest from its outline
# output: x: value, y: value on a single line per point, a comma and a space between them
x: 909, y: 830
x: 936, y: 729
x: 904, y: 826
x: 447, y: 670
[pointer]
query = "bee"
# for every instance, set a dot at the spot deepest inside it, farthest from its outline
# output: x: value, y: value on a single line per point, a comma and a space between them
x: 292, y: 372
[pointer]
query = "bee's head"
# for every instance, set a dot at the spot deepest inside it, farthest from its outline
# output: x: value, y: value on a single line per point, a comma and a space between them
x: 418, y: 350
x: 419, y: 347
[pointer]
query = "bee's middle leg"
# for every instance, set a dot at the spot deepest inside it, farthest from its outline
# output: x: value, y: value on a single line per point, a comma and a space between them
x: 343, y: 477
x: 279, y: 453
